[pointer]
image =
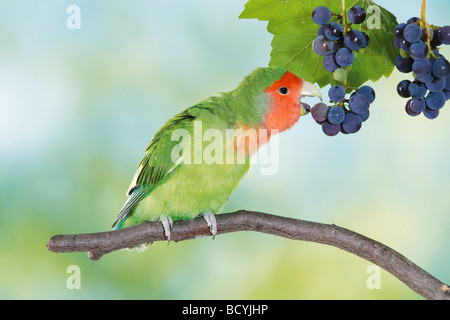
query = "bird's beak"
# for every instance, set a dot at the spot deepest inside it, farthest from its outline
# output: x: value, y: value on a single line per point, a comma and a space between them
x: 308, y: 90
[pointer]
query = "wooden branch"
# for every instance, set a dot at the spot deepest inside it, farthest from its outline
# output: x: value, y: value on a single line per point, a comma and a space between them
x: 98, y: 244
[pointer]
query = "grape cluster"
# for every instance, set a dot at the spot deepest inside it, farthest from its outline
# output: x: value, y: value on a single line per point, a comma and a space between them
x: 419, y: 55
x: 336, y: 44
x: 346, y: 115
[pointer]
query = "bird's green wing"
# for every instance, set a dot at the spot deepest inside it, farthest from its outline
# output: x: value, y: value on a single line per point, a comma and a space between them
x: 157, y: 165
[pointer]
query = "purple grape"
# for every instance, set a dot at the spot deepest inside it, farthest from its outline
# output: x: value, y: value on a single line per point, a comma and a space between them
x: 322, y: 46
x: 418, y: 51
x: 331, y: 129
x: 417, y: 89
x: 354, y: 40
x: 336, y: 115
x: 444, y: 35
x: 398, y: 31
x: 431, y: 114
x: 333, y: 31
x: 336, y: 93
x: 402, y: 89
x: 412, y: 33
x: 436, y: 85
x: 435, y: 100
x: 422, y: 67
x: 321, y: 15
x: 441, y: 68
x: 409, y: 111
x: 329, y: 63
x: 352, y: 123
x: 319, y: 112
x: 404, y: 64
x: 344, y: 57
x: 359, y: 103
x: 356, y: 15
x: 417, y: 105
x: 368, y: 92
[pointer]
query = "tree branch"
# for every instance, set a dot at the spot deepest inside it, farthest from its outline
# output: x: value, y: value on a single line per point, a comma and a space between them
x: 98, y: 244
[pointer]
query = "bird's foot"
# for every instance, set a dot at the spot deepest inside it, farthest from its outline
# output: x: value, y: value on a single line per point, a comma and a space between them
x: 211, y: 223
x: 167, y: 223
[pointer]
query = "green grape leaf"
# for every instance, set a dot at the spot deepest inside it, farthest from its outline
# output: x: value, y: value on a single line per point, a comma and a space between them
x: 294, y: 32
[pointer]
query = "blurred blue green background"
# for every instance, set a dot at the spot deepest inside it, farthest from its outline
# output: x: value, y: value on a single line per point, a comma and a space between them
x: 78, y: 107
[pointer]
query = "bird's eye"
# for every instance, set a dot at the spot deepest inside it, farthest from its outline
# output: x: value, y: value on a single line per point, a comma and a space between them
x: 283, y: 90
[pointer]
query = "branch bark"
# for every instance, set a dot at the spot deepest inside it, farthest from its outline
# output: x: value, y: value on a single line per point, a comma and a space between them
x: 98, y: 244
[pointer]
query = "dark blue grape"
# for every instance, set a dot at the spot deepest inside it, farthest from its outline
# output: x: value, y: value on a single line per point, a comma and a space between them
x: 418, y: 51
x: 344, y: 57
x: 336, y: 115
x: 435, y: 100
x: 436, y: 41
x: 336, y: 93
x: 364, y: 116
x: 422, y: 67
x: 398, y: 31
x: 359, y: 103
x: 356, y: 15
x: 431, y: 114
x: 436, y: 85
x: 322, y: 46
x: 331, y: 129
x: 329, y: 63
x: 368, y: 92
x: 409, y: 111
x: 412, y: 20
x: 352, y: 123
x: 404, y: 64
x: 402, y: 89
x: 354, y: 40
x: 417, y: 89
x: 444, y: 35
x: 319, y: 112
x: 417, y: 105
x: 333, y: 31
x: 441, y: 68
x: 412, y: 33
x: 321, y: 15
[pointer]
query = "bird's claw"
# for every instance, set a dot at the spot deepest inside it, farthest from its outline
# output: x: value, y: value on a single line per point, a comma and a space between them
x: 211, y: 223
x: 167, y: 223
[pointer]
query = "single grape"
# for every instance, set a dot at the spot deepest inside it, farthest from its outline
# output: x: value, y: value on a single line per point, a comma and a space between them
x: 430, y: 114
x: 422, y: 67
x: 354, y: 40
x: 322, y: 46
x: 418, y: 51
x: 398, y: 31
x: 321, y: 15
x: 409, y: 111
x: 405, y: 45
x: 402, y: 89
x: 336, y: 93
x: 441, y: 68
x: 364, y: 116
x: 333, y: 31
x: 329, y: 63
x: 356, y: 15
x: 435, y: 100
x: 331, y: 129
x: 412, y: 33
x: 444, y: 35
x: 336, y: 115
x: 339, y: 74
x: 352, y: 123
x: 404, y: 64
x: 319, y: 112
x: 417, y: 105
x: 436, y: 40
x: 359, y: 103
x: 368, y: 92
x: 436, y: 85
x: 412, y: 20
x: 417, y: 89
x: 344, y: 57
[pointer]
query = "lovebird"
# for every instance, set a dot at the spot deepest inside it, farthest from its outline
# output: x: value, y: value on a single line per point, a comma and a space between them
x: 183, y: 176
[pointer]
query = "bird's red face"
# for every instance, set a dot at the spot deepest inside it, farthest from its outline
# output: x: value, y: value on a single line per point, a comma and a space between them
x: 285, y: 106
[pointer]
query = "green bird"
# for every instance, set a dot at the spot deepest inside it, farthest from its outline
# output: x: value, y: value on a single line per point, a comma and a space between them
x: 182, y: 177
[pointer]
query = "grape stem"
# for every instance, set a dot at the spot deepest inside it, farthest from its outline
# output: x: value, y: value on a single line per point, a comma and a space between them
x: 424, y: 24
x: 344, y: 23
